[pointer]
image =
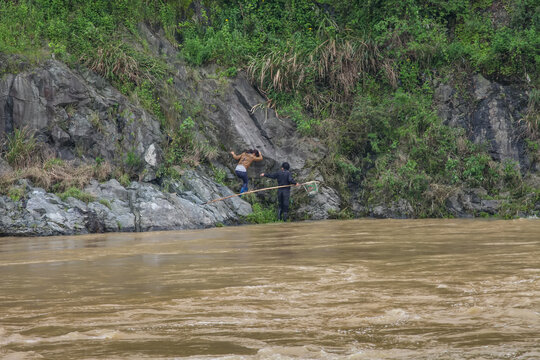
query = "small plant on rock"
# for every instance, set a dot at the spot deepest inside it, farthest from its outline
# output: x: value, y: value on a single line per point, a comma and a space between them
x: 77, y: 194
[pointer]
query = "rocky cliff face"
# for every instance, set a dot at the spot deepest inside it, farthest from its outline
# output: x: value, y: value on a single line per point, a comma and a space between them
x: 79, y: 116
x: 234, y: 113
x: 490, y: 113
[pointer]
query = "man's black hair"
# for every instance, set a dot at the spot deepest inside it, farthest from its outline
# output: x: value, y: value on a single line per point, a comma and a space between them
x: 285, y: 165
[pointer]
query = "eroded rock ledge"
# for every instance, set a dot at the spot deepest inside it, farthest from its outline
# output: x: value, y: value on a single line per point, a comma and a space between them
x: 138, y: 207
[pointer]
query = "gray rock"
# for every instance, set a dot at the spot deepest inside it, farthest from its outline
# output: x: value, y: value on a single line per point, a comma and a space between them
x: 54, y: 215
x: 79, y: 110
x: 60, y: 137
x: 15, y: 220
x: 400, y: 209
x: 320, y: 205
x: 140, y: 207
x: 470, y: 202
x: 206, y: 189
x: 482, y: 87
x: 492, y: 119
x: 490, y: 206
x: 110, y: 190
x: 5, y: 169
x: 454, y: 206
x: 106, y: 220
x: 444, y: 93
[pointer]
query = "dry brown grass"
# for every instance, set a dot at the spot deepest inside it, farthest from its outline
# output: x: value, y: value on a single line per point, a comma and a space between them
x: 342, y: 63
x: 33, y: 160
x: 531, y: 120
x: 532, y: 116
x: 462, y: 145
x: 58, y: 175
x: 199, y: 152
x: 337, y: 65
x: 532, y: 124
x: 390, y: 73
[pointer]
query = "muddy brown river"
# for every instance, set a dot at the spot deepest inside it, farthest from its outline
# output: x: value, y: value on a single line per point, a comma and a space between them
x: 359, y: 289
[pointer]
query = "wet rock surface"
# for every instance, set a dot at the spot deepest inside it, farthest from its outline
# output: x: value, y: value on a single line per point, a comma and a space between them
x: 139, y: 207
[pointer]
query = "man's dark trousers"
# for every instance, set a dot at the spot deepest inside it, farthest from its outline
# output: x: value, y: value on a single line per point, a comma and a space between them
x: 283, y: 201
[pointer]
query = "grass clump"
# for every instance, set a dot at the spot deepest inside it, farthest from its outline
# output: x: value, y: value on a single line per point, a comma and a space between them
x: 20, y: 147
x: 184, y: 148
x: 16, y: 193
x: 124, y: 180
x: 106, y: 203
x: 77, y: 194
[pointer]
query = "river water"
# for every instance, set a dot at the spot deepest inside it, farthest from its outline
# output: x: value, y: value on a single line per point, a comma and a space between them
x: 359, y: 289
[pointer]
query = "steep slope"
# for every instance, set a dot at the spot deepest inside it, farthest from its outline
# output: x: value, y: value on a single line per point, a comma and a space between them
x: 400, y: 110
x: 77, y: 117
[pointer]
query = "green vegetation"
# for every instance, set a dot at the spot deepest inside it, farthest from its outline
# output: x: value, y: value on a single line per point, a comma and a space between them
x: 185, y: 149
x: 106, y: 203
x: 20, y: 147
x: 132, y: 161
x: 124, y: 180
x: 16, y: 193
x: 261, y: 214
x: 77, y: 194
x: 359, y: 76
x: 220, y: 175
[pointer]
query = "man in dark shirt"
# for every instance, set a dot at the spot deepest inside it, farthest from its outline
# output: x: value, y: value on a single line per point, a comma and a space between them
x: 284, y: 177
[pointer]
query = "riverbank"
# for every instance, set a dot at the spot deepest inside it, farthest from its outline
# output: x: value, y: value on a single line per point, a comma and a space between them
x: 180, y: 204
x: 394, y: 128
x: 111, y: 207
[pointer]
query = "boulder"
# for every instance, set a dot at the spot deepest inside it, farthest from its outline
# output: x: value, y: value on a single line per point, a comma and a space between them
x: 321, y: 205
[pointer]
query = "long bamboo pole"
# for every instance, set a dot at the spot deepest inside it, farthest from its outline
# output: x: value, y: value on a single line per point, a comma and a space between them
x: 257, y: 190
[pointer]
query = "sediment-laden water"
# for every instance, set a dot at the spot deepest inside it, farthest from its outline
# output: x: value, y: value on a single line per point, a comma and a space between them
x: 362, y: 289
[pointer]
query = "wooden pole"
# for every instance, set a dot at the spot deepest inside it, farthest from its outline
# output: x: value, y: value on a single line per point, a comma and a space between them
x: 257, y: 190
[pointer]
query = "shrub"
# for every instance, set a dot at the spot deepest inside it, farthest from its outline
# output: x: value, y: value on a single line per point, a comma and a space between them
x: 261, y: 215
x: 124, y: 180
x: 220, y: 175
x: 132, y: 161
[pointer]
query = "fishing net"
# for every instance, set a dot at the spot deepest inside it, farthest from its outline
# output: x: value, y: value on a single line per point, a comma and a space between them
x: 311, y: 187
